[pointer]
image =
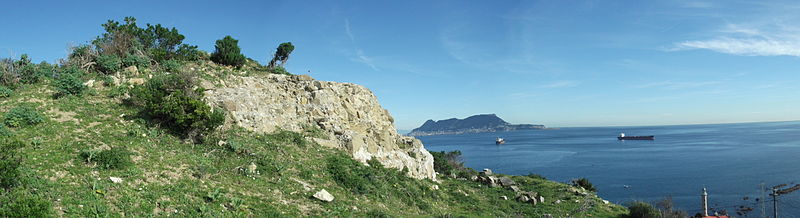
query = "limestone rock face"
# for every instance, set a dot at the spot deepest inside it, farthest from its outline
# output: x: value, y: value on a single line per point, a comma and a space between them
x: 348, y: 114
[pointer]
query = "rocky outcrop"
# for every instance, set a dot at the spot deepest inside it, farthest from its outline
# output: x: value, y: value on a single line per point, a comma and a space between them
x: 349, y: 116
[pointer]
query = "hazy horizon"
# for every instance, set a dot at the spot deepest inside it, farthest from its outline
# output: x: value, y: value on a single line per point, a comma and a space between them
x: 560, y: 64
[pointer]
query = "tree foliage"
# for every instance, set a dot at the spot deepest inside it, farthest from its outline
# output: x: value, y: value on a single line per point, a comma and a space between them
x: 173, y: 101
x: 227, y: 52
x: 282, y: 54
x: 156, y: 41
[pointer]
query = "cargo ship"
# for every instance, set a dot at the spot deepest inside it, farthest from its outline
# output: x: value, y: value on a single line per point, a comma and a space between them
x: 623, y: 137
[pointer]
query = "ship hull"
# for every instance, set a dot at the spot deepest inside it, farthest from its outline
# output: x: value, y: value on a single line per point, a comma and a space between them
x: 650, y: 137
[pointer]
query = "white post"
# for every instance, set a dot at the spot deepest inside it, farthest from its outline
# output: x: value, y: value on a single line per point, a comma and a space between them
x: 705, y: 202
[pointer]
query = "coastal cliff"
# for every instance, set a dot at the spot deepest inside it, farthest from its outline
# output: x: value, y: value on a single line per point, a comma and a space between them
x: 473, y: 124
x: 349, y: 116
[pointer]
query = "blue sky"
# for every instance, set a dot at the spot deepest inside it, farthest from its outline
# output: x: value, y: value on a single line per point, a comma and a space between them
x: 557, y: 63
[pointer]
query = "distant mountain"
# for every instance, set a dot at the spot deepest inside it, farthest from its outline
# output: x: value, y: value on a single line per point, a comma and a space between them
x: 473, y: 124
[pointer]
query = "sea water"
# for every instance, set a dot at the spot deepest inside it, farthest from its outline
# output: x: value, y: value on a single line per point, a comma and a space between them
x: 730, y: 160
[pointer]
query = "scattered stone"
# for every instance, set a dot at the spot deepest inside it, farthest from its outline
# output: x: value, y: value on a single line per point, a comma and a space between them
x: 252, y: 168
x: 323, y: 195
x: 547, y: 215
x: 474, y: 178
x: 132, y: 70
x: 136, y: 81
x: 492, y: 181
x: 89, y: 83
x: 533, y: 201
x: 504, y: 197
x: 486, y: 172
x: 606, y: 202
x: 221, y: 143
x: 523, y: 198
x: 577, y: 201
x: 115, y: 179
x: 558, y: 202
x: 541, y: 199
x: 514, y: 188
x: 435, y: 187
x: 506, y: 182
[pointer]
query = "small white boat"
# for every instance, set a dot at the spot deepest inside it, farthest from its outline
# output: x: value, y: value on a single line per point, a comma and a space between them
x: 499, y: 141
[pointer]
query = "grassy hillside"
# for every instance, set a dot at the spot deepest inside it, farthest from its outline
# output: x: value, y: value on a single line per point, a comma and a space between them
x: 79, y: 139
x: 231, y: 173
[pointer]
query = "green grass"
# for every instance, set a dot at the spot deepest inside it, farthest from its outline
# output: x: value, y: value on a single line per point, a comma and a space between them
x: 168, y: 177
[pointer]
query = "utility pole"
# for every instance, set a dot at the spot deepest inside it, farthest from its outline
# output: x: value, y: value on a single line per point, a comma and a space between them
x: 776, y: 192
x: 763, y: 198
x: 775, y: 202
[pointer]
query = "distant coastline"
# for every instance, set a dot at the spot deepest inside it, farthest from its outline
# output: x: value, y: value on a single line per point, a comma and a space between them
x: 473, y: 124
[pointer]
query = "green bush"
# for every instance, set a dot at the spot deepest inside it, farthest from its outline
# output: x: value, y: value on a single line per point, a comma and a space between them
x: 227, y: 52
x: 171, y: 66
x: 173, y: 101
x: 447, y: 163
x: 136, y: 60
x: 69, y: 82
x: 34, y: 73
x: 351, y: 174
x: 640, y: 209
x: 116, y: 158
x: 5, y: 132
x: 9, y: 163
x: 584, y: 182
x: 22, y: 203
x: 190, y: 53
x: 279, y: 70
x: 108, y: 63
x: 22, y: 116
x: 158, y: 42
x: 5, y: 92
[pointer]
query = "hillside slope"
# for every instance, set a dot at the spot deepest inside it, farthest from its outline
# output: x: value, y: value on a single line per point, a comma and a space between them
x: 234, y: 172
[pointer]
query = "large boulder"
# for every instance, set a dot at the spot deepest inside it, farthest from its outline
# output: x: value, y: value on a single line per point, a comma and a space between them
x: 323, y: 195
x: 506, y: 182
x: 348, y: 115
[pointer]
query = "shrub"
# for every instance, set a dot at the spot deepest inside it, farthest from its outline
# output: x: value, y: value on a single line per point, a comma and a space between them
x: 116, y: 158
x: 159, y: 42
x: 34, y: 73
x: 16, y: 72
x: 227, y: 52
x: 22, y: 203
x: 108, y: 63
x: 351, y: 174
x: 4, y: 132
x: 189, y: 53
x: 5, y: 92
x: 136, y: 60
x: 69, y: 82
x: 640, y: 209
x: 9, y: 163
x: 584, y: 183
x: 172, y: 100
x: 22, y: 116
x: 279, y: 70
x: 447, y: 163
x: 171, y: 66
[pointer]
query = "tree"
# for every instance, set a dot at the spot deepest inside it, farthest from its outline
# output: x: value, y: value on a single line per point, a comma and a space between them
x: 227, y: 52
x: 281, y: 54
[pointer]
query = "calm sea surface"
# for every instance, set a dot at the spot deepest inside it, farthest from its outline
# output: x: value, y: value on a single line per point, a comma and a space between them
x: 731, y: 160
